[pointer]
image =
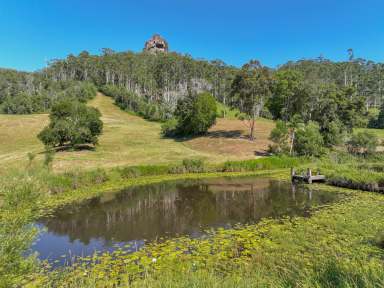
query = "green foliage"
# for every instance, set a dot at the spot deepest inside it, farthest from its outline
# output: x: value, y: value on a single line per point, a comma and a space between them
x: 72, y: 123
x: 144, y: 170
x: 49, y: 155
x: 169, y: 128
x: 250, y: 90
x: 308, y: 140
x: 379, y: 121
x: 363, y: 142
x: 195, y: 115
x: 17, y: 195
x: 280, y: 137
x: 224, y: 111
x: 267, y: 163
x: 289, y: 95
x: 128, y: 100
x: 40, y: 93
x: 31, y: 156
x: 193, y: 165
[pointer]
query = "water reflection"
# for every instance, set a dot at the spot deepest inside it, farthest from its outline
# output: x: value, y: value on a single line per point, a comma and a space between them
x: 170, y: 209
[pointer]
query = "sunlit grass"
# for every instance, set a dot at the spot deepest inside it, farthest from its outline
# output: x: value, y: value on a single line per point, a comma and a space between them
x: 126, y: 140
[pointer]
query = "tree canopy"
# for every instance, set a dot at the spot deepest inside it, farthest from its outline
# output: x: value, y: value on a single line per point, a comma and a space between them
x: 72, y: 123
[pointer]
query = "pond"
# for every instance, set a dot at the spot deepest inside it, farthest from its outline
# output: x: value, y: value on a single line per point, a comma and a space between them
x: 139, y: 214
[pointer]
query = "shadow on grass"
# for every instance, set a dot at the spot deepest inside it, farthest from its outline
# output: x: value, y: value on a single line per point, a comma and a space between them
x: 69, y: 148
x: 233, y: 134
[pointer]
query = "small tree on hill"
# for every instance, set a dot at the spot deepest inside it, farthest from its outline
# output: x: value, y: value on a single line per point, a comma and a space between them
x: 250, y: 90
x: 72, y: 123
x: 195, y: 115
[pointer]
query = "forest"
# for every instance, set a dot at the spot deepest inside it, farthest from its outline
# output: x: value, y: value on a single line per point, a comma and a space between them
x: 162, y: 79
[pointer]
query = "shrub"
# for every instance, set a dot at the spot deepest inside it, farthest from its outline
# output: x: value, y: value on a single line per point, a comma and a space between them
x: 168, y: 128
x: 193, y: 165
x: 188, y: 166
x: 364, y: 142
x: 145, y: 170
x: 196, y: 114
x: 72, y: 123
x: 333, y: 133
x: 279, y: 136
x: 308, y: 140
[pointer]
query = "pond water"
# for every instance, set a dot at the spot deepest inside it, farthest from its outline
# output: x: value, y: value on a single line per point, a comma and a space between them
x: 139, y: 214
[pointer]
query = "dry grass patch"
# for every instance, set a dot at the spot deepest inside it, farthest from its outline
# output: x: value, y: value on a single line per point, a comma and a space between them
x: 229, y: 138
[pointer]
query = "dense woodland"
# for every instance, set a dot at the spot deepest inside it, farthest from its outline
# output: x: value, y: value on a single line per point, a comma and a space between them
x: 151, y: 85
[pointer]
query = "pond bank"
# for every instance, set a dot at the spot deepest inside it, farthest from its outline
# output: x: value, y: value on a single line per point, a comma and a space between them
x: 142, y: 214
x: 336, y: 247
x: 341, y: 229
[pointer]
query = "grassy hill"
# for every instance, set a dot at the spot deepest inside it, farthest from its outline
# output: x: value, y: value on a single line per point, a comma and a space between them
x: 129, y: 140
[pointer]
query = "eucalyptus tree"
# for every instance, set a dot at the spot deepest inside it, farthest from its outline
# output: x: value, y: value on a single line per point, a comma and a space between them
x: 251, y: 89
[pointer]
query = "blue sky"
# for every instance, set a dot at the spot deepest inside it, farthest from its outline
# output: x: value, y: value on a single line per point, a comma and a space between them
x: 272, y: 31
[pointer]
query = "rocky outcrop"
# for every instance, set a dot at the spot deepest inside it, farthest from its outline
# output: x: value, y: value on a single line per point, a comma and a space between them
x: 156, y: 44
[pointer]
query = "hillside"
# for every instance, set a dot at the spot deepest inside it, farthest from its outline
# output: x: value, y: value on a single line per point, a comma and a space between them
x: 129, y: 140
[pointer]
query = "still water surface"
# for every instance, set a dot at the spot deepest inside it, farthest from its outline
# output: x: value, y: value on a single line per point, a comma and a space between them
x: 145, y: 213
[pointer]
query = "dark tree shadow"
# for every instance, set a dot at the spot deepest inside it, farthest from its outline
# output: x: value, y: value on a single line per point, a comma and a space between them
x: 225, y: 134
x: 262, y: 153
x: 234, y: 134
x: 69, y: 148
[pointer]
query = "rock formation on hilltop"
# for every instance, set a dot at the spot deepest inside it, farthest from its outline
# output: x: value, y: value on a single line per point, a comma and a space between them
x: 156, y: 44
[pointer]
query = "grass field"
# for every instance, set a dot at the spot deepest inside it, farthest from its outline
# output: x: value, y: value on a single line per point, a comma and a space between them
x: 129, y: 140
x: 378, y: 132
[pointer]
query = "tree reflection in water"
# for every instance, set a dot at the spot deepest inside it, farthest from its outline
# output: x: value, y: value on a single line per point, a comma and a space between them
x: 175, y: 208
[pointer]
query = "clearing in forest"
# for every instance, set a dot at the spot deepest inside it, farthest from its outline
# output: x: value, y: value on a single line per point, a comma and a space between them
x: 130, y: 140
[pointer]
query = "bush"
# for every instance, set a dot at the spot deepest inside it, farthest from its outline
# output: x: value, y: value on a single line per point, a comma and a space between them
x: 137, y: 171
x: 72, y: 123
x: 196, y: 114
x: 333, y: 133
x: 308, y: 141
x: 193, y: 165
x: 188, y: 166
x: 364, y: 142
x: 168, y: 128
x: 279, y: 136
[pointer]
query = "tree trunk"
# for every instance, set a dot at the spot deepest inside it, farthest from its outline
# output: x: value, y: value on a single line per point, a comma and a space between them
x: 252, y: 128
x: 292, y: 141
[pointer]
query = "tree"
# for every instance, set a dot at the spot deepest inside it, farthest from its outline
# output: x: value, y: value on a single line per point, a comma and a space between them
x: 196, y: 114
x: 379, y: 123
x: 289, y: 95
x: 72, y: 123
x: 250, y: 91
x: 308, y: 141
